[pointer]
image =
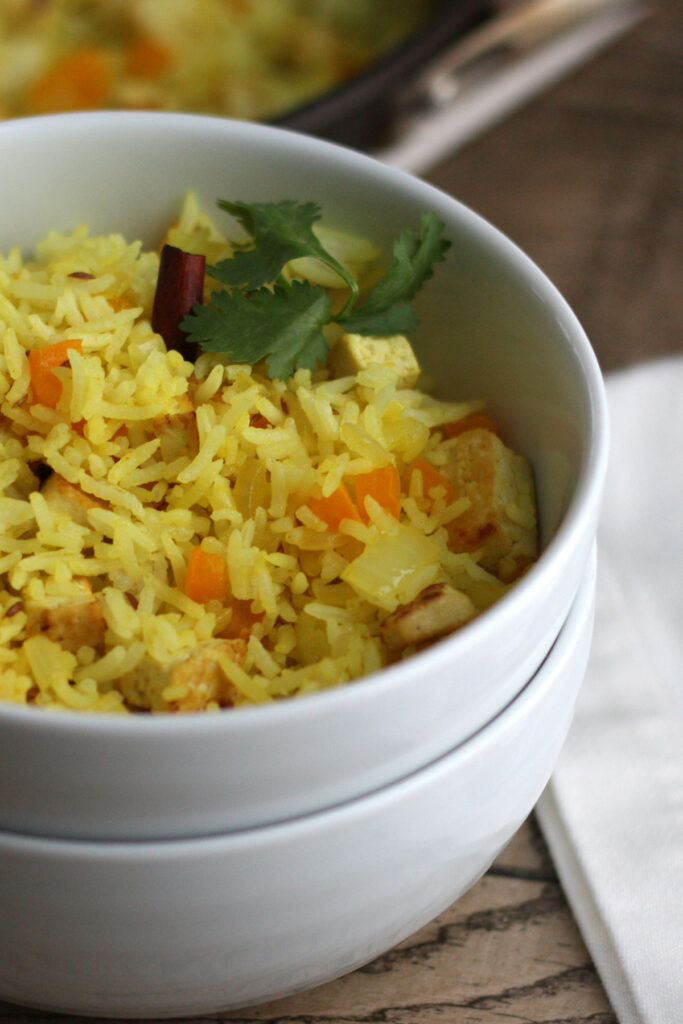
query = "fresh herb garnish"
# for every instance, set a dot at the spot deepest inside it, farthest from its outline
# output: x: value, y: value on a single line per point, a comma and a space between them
x: 284, y: 324
x: 280, y: 232
x: 263, y: 315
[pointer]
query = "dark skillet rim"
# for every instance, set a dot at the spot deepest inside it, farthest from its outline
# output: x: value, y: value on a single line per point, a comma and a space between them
x: 370, y: 90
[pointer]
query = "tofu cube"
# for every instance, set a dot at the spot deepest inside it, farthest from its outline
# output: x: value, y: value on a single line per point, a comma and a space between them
x: 439, y: 610
x: 68, y: 499
x: 500, y: 522
x: 72, y: 622
x: 354, y: 352
x: 177, y: 429
x: 199, y: 674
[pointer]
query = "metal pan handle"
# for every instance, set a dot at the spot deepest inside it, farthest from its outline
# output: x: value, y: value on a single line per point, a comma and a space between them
x: 496, y: 69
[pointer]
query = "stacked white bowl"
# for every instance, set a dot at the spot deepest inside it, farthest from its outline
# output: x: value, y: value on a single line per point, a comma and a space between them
x: 160, y: 866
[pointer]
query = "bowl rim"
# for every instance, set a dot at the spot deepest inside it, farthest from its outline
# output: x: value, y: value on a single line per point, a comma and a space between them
x: 586, y: 492
x: 579, y: 618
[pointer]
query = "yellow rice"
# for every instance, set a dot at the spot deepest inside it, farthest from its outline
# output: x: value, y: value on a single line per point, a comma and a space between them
x: 241, y: 58
x: 243, y: 495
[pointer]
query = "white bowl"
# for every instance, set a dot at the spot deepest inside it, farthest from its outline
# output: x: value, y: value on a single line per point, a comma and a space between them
x: 194, y: 926
x: 492, y: 326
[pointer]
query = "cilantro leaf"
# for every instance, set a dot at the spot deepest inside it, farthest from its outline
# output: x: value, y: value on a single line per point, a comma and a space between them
x: 397, y: 319
x: 281, y: 232
x: 386, y: 309
x: 284, y: 324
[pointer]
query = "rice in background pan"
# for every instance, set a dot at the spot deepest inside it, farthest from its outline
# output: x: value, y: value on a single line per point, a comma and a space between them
x: 240, y: 58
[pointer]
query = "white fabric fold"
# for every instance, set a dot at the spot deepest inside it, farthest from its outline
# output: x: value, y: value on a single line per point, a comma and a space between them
x: 613, y: 812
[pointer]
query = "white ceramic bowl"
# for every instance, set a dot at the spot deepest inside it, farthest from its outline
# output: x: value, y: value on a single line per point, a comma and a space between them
x: 193, y: 926
x: 492, y: 326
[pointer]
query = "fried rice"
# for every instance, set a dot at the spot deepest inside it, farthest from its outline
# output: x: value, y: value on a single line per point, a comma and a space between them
x: 145, y: 457
x: 240, y: 58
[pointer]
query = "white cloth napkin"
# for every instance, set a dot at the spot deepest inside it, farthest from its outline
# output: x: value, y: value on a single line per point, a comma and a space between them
x: 613, y: 811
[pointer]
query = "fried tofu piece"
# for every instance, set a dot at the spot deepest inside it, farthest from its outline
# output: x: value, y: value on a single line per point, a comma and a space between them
x: 68, y: 499
x: 72, y: 622
x: 439, y: 610
x: 501, y: 519
x: 197, y: 679
x: 177, y: 429
x: 354, y: 352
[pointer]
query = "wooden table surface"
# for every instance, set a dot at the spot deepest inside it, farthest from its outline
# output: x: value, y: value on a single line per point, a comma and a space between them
x: 587, y: 179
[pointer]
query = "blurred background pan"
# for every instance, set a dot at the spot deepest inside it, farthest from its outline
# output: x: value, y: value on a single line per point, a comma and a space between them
x: 472, y: 63
x: 326, y: 67
x: 359, y: 112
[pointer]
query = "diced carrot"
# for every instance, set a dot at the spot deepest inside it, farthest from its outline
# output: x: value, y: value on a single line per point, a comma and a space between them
x: 431, y: 479
x: 117, y: 303
x: 147, y: 57
x: 384, y: 485
x: 473, y: 421
x: 53, y: 355
x: 242, y: 620
x: 259, y: 421
x: 339, y: 505
x: 207, y: 576
x: 46, y: 386
x: 80, y: 81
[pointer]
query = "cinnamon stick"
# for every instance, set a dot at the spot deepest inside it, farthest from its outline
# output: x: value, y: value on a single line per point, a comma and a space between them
x: 180, y: 286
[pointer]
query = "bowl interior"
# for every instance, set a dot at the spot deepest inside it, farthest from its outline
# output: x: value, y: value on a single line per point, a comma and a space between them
x: 492, y: 325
